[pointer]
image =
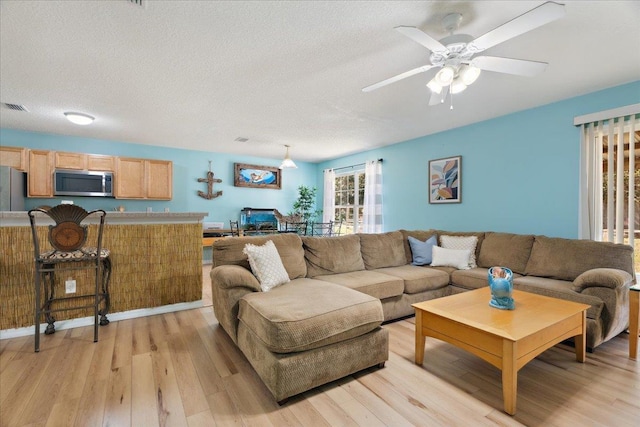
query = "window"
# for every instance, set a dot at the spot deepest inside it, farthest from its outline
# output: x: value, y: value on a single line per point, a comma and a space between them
x: 610, y: 177
x: 349, y: 201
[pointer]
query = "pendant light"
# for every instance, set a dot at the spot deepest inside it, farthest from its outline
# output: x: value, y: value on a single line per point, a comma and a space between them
x: 287, y: 162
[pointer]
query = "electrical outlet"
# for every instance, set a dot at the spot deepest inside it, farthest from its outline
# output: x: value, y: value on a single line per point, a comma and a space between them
x: 70, y: 286
x: 66, y: 202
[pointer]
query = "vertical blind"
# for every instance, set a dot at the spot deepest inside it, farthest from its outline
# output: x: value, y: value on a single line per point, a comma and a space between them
x: 609, y: 141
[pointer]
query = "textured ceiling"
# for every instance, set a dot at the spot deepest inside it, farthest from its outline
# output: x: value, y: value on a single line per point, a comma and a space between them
x: 199, y: 74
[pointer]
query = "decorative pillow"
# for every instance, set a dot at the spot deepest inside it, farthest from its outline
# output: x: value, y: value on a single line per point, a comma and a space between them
x: 458, y: 258
x: 458, y: 242
x: 266, y: 265
x: 421, y: 251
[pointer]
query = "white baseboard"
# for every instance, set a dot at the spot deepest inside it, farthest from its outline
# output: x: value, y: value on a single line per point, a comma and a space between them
x: 113, y: 317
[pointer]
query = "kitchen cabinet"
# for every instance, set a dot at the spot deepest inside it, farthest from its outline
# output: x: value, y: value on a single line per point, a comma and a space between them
x: 143, y: 179
x: 81, y: 161
x: 159, y: 179
x: 15, y: 157
x: 40, y: 176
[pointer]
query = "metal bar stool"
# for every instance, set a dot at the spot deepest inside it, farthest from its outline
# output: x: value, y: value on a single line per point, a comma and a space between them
x: 68, y: 252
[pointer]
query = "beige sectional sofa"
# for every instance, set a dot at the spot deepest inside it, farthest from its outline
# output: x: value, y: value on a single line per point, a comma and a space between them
x: 326, y: 322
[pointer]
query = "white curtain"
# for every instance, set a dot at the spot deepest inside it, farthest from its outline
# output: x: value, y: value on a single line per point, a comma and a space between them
x: 609, y: 142
x: 329, y: 198
x: 372, y: 209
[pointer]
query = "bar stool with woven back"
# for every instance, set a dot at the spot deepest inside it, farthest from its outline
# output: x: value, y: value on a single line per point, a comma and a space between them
x: 69, y: 251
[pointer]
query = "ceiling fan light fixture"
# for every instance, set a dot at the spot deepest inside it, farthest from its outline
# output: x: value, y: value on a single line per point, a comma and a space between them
x: 79, y: 118
x: 469, y: 74
x: 434, y: 86
x: 445, y: 76
x: 287, y: 163
x: 457, y: 85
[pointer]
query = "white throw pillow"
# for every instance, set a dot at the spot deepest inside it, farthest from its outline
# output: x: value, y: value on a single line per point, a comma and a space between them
x: 462, y: 242
x: 266, y: 265
x: 442, y: 257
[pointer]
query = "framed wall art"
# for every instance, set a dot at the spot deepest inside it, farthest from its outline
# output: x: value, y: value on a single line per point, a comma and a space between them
x: 445, y: 180
x: 257, y: 176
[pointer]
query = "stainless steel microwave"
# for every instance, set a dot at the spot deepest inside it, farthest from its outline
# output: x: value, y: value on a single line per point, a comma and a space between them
x: 83, y: 183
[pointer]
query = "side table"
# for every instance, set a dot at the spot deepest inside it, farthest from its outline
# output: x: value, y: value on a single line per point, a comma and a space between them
x: 634, y: 310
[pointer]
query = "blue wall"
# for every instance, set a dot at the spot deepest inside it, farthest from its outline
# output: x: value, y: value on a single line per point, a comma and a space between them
x: 520, y: 172
x: 188, y: 166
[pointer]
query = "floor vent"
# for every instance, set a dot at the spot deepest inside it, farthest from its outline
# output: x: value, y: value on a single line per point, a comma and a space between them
x: 15, y: 107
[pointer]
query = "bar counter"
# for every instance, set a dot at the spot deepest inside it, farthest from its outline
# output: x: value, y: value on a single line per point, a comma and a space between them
x: 156, y: 260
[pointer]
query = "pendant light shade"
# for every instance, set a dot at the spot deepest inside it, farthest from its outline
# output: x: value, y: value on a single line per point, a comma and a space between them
x: 287, y: 162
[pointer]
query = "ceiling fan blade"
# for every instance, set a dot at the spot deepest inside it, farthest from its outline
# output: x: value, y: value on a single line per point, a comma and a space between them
x: 420, y: 37
x: 528, y: 21
x: 438, y: 98
x: 398, y: 77
x: 519, y: 67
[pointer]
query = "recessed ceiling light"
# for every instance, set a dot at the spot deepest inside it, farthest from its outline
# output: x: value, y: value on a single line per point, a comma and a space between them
x: 79, y: 118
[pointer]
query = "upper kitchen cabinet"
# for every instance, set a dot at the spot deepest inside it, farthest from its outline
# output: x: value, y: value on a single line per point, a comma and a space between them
x: 15, y: 157
x: 81, y: 161
x: 143, y: 179
x: 159, y: 179
x: 40, y: 176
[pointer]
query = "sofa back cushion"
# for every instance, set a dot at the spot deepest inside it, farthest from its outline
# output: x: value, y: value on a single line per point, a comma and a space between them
x: 382, y: 250
x: 330, y: 255
x: 506, y: 250
x: 421, y: 235
x: 566, y: 259
x: 228, y: 251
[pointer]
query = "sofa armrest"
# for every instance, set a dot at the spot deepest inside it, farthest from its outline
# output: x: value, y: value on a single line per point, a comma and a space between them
x: 229, y: 283
x: 233, y: 276
x: 602, y: 277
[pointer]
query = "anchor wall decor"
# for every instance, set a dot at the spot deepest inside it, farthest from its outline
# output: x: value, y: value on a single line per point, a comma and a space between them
x: 209, y: 180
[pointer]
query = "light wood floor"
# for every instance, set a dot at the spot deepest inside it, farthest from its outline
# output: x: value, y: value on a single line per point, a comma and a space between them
x: 180, y: 369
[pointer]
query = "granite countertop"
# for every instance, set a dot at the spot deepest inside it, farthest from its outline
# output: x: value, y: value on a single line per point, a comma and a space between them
x: 21, y: 218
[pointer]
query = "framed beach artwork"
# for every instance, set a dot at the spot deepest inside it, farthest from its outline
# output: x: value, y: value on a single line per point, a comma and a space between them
x: 445, y: 180
x: 257, y: 176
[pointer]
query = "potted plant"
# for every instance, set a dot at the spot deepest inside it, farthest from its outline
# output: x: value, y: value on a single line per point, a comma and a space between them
x: 305, y: 204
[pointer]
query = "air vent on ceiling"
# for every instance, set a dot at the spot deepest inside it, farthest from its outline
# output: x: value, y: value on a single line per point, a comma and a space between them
x: 140, y: 3
x: 241, y: 139
x: 16, y: 107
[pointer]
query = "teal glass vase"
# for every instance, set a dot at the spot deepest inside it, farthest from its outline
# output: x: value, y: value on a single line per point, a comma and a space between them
x: 501, y: 285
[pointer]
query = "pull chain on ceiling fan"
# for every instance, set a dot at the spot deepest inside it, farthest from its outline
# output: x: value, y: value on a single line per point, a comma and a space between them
x: 454, y: 54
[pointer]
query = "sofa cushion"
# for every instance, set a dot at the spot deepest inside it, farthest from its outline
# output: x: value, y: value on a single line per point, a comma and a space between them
x: 332, y: 255
x: 506, y: 250
x: 421, y: 251
x: 469, y: 243
x: 418, y: 279
x: 421, y: 235
x: 229, y: 251
x: 382, y: 250
x: 266, y: 265
x: 370, y: 282
x: 470, y: 279
x: 561, y: 289
x: 305, y: 314
x: 566, y: 259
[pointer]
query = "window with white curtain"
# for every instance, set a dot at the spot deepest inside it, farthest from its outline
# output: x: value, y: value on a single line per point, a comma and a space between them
x: 353, y: 197
x: 610, y: 177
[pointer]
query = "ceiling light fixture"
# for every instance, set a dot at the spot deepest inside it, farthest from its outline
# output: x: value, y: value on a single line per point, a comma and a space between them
x: 79, y: 118
x: 287, y: 162
x: 445, y: 76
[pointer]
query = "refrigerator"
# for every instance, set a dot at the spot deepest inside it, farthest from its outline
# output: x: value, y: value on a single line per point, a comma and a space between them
x: 12, y: 189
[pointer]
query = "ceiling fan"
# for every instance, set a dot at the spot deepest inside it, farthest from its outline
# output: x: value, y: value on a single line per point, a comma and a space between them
x: 454, y: 54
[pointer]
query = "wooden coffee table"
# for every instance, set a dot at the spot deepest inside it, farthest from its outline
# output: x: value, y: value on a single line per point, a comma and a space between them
x: 508, y: 339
